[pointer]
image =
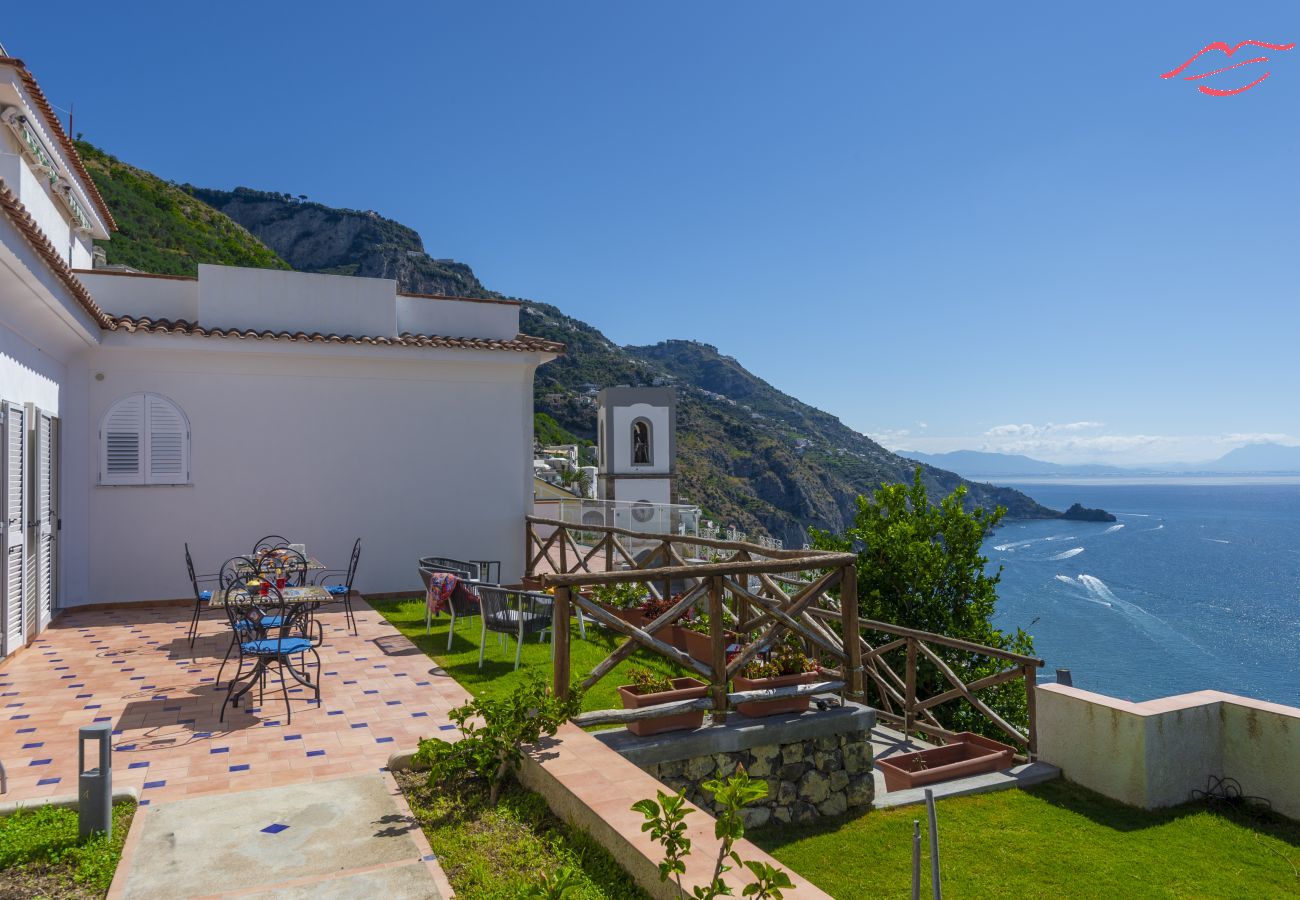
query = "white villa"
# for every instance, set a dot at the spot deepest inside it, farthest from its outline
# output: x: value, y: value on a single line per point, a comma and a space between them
x: 141, y: 412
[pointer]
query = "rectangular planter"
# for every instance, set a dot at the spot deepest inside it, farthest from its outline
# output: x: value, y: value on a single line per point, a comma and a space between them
x: 630, y: 616
x: 699, y: 646
x: 683, y: 689
x: 758, y: 708
x: 967, y: 754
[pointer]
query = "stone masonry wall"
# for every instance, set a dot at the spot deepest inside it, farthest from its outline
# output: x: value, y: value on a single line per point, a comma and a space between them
x: 806, y: 779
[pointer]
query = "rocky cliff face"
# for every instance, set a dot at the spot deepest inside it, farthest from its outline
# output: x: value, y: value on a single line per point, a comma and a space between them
x: 313, y: 237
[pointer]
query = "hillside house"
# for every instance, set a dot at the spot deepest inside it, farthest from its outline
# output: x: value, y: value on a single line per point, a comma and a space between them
x: 141, y: 412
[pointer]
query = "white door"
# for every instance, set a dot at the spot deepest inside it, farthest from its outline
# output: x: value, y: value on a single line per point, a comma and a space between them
x: 15, y: 525
x: 45, y: 517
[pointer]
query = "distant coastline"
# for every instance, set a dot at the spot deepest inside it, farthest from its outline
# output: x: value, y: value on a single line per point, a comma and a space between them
x: 1171, y: 480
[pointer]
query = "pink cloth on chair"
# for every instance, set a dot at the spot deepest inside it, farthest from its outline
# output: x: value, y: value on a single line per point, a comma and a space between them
x: 442, y: 587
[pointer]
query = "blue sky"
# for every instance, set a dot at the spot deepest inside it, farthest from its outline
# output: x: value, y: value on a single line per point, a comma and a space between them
x: 953, y: 225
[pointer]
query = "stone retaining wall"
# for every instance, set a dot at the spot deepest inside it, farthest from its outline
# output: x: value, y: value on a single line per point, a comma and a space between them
x: 817, y: 763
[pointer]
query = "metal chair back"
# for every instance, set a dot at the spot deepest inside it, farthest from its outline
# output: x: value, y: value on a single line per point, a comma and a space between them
x: 464, y: 569
x: 292, y: 563
x: 270, y: 542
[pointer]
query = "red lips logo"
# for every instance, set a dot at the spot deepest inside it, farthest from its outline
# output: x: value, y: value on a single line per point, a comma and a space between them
x: 1227, y: 51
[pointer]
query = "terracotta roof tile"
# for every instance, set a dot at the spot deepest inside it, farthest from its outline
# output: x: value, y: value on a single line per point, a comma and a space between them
x: 522, y: 343
x: 24, y: 222
x: 57, y: 127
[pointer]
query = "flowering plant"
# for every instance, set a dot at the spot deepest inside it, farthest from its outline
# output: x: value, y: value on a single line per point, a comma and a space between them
x: 786, y: 658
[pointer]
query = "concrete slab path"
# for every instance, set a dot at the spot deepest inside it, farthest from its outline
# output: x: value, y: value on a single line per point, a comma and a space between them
x: 347, y: 837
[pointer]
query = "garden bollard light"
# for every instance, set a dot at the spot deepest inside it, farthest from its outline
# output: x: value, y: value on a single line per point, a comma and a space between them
x: 95, y: 786
x: 1064, y: 678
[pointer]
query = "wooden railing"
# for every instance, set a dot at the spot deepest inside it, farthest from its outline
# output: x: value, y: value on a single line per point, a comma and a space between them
x: 736, y: 589
x: 748, y: 588
x: 896, y: 697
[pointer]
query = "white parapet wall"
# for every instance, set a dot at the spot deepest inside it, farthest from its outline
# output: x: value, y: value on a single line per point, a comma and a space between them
x: 1154, y: 754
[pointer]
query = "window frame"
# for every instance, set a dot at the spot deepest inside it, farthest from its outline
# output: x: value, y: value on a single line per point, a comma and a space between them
x: 649, y: 441
x: 144, y: 474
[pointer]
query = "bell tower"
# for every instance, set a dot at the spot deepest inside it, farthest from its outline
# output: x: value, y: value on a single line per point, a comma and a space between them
x: 637, y: 440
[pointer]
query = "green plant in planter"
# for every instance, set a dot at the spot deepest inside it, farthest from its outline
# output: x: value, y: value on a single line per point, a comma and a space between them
x: 493, y: 750
x: 665, y: 822
x: 786, y: 658
x: 624, y: 595
x: 654, y: 607
x: 646, y: 682
x: 699, y: 623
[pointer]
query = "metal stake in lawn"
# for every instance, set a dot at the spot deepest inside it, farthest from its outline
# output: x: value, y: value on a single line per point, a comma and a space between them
x: 934, y: 845
x: 916, y: 859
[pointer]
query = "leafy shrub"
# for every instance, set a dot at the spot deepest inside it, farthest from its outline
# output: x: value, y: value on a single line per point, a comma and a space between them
x: 665, y: 820
x: 493, y: 750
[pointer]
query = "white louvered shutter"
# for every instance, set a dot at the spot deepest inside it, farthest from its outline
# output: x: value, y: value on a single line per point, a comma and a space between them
x: 47, y: 516
x: 168, y: 459
x: 15, y: 525
x: 121, y: 444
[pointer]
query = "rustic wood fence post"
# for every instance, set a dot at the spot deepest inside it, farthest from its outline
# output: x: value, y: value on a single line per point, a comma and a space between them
x: 718, y: 642
x: 1031, y: 682
x: 560, y: 638
x: 909, y: 696
x: 564, y: 551
x: 856, y: 690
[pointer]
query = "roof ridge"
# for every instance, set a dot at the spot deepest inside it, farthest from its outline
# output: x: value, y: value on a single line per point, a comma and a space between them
x: 521, y: 343
x: 48, y: 112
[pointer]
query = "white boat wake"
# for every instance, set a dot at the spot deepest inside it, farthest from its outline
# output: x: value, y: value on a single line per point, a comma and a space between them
x: 1067, y: 554
x: 1113, y: 528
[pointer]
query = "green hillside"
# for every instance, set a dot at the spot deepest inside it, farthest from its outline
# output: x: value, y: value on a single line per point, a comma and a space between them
x: 164, y: 230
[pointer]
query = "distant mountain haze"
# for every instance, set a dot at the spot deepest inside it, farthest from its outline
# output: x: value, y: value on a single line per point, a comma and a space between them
x: 748, y: 454
x: 1252, y: 459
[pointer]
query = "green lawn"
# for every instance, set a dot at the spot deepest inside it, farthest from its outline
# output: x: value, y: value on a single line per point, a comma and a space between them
x: 499, y: 852
x: 1054, y: 840
x: 41, y: 857
x: 497, y: 677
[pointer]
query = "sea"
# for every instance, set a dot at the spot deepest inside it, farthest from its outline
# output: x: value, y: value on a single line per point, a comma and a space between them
x: 1196, y: 586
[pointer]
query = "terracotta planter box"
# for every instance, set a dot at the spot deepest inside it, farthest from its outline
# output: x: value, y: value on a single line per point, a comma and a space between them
x: 758, y: 708
x: 698, y: 646
x: 630, y: 616
x: 967, y: 754
x: 683, y: 689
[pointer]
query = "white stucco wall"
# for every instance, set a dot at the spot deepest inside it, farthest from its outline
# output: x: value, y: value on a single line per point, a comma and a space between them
x: 236, y: 297
x: 27, y: 375
x: 457, y: 318
x: 144, y: 297
x: 417, y: 452
x: 1154, y: 754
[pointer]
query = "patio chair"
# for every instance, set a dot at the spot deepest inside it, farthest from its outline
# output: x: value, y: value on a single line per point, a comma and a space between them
x: 251, y: 615
x: 292, y: 563
x: 507, y: 612
x: 238, y: 570
x: 270, y: 542
x: 462, y: 568
x: 343, y: 591
x: 200, y: 597
x: 455, y: 605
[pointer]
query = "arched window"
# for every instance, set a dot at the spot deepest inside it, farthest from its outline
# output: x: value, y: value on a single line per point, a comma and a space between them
x: 144, y: 439
x: 642, y: 445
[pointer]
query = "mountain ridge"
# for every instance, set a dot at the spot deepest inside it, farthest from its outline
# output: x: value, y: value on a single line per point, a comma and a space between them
x: 1258, y: 458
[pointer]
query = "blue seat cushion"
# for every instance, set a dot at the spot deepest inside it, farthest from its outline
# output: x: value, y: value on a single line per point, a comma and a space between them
x: 274, y: 647
x: 205, y: 595
x: 338, y: 590
x: 267, y: 622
